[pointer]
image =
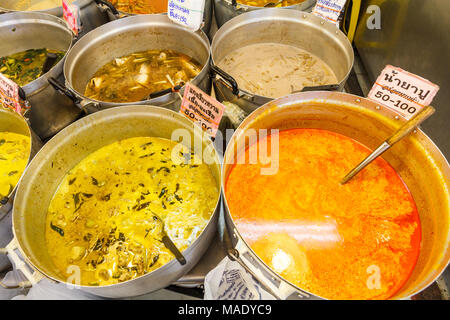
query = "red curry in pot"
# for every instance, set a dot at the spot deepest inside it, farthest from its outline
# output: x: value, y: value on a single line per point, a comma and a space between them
x: 360, y: 240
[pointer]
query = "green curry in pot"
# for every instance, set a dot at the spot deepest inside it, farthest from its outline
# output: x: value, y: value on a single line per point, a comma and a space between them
x: 26, y: 66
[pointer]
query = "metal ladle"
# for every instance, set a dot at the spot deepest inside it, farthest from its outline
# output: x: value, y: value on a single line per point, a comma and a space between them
x: 272, y: 4
x: 421, y: 116
x: 168, y: 243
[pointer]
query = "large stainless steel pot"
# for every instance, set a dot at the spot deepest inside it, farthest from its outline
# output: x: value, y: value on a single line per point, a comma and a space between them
x: 225, y: 10
x: 275, y: 25
x: 91, y: 15
x: 12, y: 122
x: 416, y: 159
x: 69, y: 147
x: 126, y: 36
x: 207, y: 15
x: 20, y: 31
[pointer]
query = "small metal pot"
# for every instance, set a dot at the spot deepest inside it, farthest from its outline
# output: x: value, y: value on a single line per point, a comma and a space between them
x: 126, y: 36
x: 225, y: 10
x: 416, y: 159
x: 20, y: 31
x: 68, y: 148
x: 12, y: 122
x: 91, y: 15
x: 117, y: 14
x: 290, y: 27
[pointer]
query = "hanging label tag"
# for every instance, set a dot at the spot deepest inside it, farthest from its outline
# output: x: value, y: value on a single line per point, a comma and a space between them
x: 402, y: 91
x: 188, y: 13
x: 329, y: 10
x: 202, y: 109
x: 71, y: 14
x: 9, y: 94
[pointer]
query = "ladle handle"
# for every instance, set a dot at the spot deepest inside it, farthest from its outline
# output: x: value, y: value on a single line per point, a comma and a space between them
x: 109, y: 5
x: 173, y: 248
x: 412, y: 123
x: 421, y: 116
x: 160, y: 93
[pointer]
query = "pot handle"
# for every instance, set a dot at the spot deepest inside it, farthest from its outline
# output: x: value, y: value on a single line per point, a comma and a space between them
x: 228, y: 78
x: 279, y: 288
x: 61, y: 88
x: 327, y: 87
x: 109, y: 5
x: 32, y: 277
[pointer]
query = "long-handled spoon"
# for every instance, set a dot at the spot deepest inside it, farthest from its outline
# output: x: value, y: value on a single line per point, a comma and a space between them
x: 421, y: 116
x: 272, y: 4
x: 168, y: 243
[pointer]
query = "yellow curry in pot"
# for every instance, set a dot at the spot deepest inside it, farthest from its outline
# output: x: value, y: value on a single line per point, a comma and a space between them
x: 105, y: 216
x: 14, y: 154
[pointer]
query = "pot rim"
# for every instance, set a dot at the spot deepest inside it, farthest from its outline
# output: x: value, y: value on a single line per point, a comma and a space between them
x: 256, y: 16
x: 100, y: 115
x: 340, y: 98
x: 150, y: 19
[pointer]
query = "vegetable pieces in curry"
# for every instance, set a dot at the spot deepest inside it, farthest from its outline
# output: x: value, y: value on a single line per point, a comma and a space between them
x: 134, y: 77
x: 26, y: 66
x: 104, y: 215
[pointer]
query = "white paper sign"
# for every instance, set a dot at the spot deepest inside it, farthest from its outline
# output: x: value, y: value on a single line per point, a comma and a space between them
x: 188, y: 13
x: 402, y: 91
x: 329, y: 10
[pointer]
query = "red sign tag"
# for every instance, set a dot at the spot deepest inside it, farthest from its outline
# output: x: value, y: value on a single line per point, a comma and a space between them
x: 402, y: 91
x: 71, y: 14
x: 9, y: 94
x: 201, y: 108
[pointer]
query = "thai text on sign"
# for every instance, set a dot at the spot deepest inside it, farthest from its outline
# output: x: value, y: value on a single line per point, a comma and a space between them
x: 188, y: 13
x: 402, y: 91
x: 329, y: 10
x: 202, y: 109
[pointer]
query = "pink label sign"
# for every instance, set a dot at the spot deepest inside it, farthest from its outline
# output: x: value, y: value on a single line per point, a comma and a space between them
x: 9, y: 94
x: 402, y: 91
x: 71, y: 14
x: 201, y: 108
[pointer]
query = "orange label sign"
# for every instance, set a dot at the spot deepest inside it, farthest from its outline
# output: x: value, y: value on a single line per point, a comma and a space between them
x: 201, y: 108
x: 402, y: 91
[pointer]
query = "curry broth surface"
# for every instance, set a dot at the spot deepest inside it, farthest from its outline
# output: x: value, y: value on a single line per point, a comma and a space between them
x: 26, y: 66
x: 14, y: 154
x: 262, y: 3
x: 134, y: 77
x: 103, y: 217
x: 360, y: 240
